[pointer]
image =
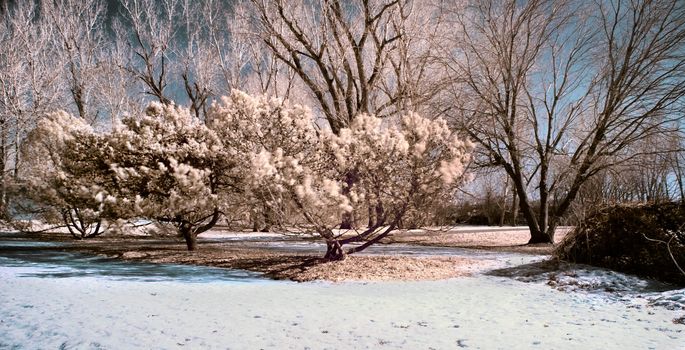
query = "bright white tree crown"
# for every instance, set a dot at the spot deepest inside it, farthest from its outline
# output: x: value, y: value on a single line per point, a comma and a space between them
x: 167, y: 164
x: 290, y: 158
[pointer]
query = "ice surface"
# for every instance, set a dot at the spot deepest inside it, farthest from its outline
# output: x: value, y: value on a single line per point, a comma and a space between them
x: 28, y: 259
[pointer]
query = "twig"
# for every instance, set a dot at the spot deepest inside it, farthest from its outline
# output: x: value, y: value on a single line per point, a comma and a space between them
x: 668, y: 247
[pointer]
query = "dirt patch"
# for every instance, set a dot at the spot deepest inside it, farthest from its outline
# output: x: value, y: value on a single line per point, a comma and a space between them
x: 385, y: 268
x: 309, y: 267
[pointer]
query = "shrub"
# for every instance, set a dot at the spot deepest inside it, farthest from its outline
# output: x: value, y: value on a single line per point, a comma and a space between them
x: 646, y: 240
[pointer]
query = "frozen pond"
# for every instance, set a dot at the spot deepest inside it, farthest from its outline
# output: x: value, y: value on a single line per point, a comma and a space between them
x: 52, y: 299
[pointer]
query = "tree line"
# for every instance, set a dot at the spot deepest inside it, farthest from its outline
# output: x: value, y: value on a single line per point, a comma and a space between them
x: 563, y: 99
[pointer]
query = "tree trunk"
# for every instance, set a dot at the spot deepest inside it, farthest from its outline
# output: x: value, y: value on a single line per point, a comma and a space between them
x: 551, y: 230
x: 514, y: 209
x: 679, y: 178
x: 347, y: 221
x: 371, y: 221
x: 503, y: 213
x: 538, y: 236
x: 545, y: 234
x: 191, y: 239
x: 334, y: 251
x: 254, y: 216
x: 4, y: 212
x: 255, y: 225
x: 266, y: 214
x: 544, y: 217
x: 380, y: 213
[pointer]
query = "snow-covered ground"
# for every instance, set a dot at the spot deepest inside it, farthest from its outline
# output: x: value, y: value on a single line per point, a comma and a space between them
x: 51, y: 300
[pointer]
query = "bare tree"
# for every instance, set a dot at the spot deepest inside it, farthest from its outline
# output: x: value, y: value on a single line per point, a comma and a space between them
x: 677, y: 163
x: 651, y: 176
x: 150, y: 29
x: 116, y: 87
x: 189, y: 52
x: 342, y: 52
x: 554, y: 94
x: 80, y: 42
x: 28, y: 83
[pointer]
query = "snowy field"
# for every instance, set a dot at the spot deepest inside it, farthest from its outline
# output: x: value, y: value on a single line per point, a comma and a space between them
x: 70, y: 301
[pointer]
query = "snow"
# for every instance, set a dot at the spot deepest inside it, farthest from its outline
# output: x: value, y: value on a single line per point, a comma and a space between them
x: 475, y: 312
x: 93, y: 302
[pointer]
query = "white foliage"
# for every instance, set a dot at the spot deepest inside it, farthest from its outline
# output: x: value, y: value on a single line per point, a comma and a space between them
x: 161, y: 165
x: 290, y: 158
x: 265, y: 136
x: 167, y: 164
x: 163, y: 162
x: 51, y: 175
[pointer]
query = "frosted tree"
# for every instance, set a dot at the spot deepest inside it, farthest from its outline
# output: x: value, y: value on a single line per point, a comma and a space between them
x: 396, y: 168
x: 64, y: 173
x: 354, y: 57
x: 165, y: 165
x: 247, y: 125
x: 294, y: 161
x: 169, y: 167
